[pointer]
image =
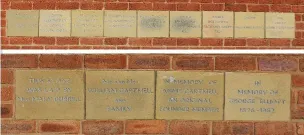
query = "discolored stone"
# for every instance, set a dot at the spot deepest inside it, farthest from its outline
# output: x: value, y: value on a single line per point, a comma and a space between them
x: 153, y: 24
x: 102, y: 127
x: 185, y: 24
x: 17, y: 126
x: 217, y: 24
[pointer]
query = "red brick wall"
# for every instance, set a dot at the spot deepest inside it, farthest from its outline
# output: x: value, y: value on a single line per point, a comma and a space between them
x: 296, y: 6
x: 293, y: 64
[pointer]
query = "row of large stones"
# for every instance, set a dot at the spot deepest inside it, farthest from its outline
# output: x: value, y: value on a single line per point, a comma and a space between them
x: 131, y: 23
x: 193, y: 95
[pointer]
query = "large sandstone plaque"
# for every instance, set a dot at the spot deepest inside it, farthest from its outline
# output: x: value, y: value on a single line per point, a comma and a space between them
x: 49, y: 94
x: 120, y: 23
x: 153, y: 24
x: 189, y: 95
x: 22, y: 22
x: 249, y: 25
x: 120, y: 94
x: 280, y: 25
x: 217, y: 24
x: 185, y: 24
x: 88, y: 23
x: 55, y: 23
x: 257, y: 96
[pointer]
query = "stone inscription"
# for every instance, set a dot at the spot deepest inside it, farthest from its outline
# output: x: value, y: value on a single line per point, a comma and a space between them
x: 257, y: 96
x: 22, y: 22
x: 87, y: 23
x: 280, y: 25
x: 120, y: 94
x: 249, y: 25
x: 120, y: 23
x: 55, y: 23
x: 153, y: 23
x: 185, y: 24
x: 189, y: 95
x: 217, y: 24
x: 49, y: 94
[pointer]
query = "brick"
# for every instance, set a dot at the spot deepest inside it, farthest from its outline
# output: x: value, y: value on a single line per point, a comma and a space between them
x: 298, y: 17
x: 278, y: 64
x: 44, y: 5
x: 297, y: 112
x: 202, y: 1
x: 33, y: 47
x: 291, y: 2
x: 115, y: 41
x: 91, y: 41
x: 146, y: 126
x: 268, y: 128
x: 233, y: 128
x: 67, y: 41
x: 4, y: 40
x: 67, y: 5
x: 189, y: 127
x: 140, y: 41
x: 300, y: 128
x: 164, y: 6
x: 116, y: 6
x: 6, y: 111
x: 258, y: 8
x: 19, y: 61
x: 294, y: 96
x: 235, y: 7
x: 64, y: 126
x: 280, y: 8
x: 79, y: 47
x: 164, y: 42
x: 279, y: 42
x: 300, y: 26
x: 22, y: 5
x: 235, y: 63
x: 247, y: 1
x: 10, y: 47
x: 188, y: 41
x: 149, y: 62
x: 7, y: 92
x: 188, y: 7
x: 3, y: 24
x: 297, y: 80
x: 211, y: 42
x: 106, y: 61
x: 44, y: 40
x: 56, y: 47
x: 212, y: 7
x: 7, y: 76
x: 102, y: 127
x: 300, y: 97
x: 298, y: 42
x: 192, y: 63
x: 224, y: 1
x: 92, y: 6
x: 61, y: 61
x: 21, y: 40
x: 298, y: 35
x: 298, y: 9
x: 5, y: 5
x: 301, y: 65
x: 257, y: 42
x: 178, y: 1
x: 140, y: 6
x: 18, y: 126
x: 235, y: 42
x: 3, y: 32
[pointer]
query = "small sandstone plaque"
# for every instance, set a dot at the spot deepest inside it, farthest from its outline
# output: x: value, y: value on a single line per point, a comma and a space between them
x: 185, y: 24
x: 22, y: 22
x: 120, y: 94
x: 280, y: 25
x: 49, y: 94
x: 189, y: 95
x: 120, y: 23
x: 257, y: 96
x: 217, y: 24
x: 153, y: 24
x: 88, y: 23
x: 249, y: 25
x: 55, y: 23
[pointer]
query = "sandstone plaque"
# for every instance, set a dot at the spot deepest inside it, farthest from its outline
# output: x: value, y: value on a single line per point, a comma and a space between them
x: 249, y: 25
x: 153, y: 24
x: 88, y: 23
x: 120, y: 94
x: 217, y: 24
x: 120, y: 23
x: 49, y: 94
x: 280, y: 25
x: 55, y: 23
x: 185, y: 23
x: 22, y: 22
x: 189, y: 95
x: 257, y: 96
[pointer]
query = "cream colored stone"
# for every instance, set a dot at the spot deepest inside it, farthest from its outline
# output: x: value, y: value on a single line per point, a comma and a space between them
x: 255, y: 89
x: 22, y: 22
x: 280, y: 25
x: 120, y: 94
x: 153, y: 24
x: 185, y: 23
x: 40, y: 94
x: 190, y: 95
x: 55, y: 23
x: 87, y: 23
x: 120, y: 23
x: 249, y: 25
x: 218, y: 24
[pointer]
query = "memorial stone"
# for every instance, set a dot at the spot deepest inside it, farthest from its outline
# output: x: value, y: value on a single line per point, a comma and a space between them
x: 22, y: 22
x: 185, y: 23
x: 249, y: 25
x: 153, y: 24
x: 217, y: 24
x: 280, y: 25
